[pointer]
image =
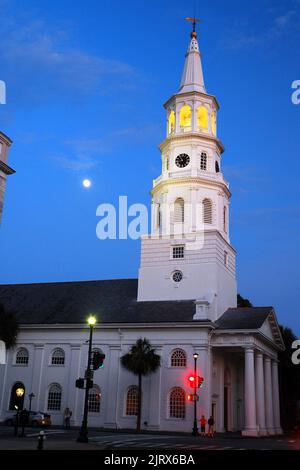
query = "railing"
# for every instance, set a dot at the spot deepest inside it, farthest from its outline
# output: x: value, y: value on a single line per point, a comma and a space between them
x: 207, y: 175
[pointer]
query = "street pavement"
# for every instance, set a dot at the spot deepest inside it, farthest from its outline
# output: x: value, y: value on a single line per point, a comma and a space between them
x: 58, y: 438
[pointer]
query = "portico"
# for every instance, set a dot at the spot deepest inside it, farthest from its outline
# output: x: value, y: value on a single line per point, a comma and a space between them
x: 256, y: 386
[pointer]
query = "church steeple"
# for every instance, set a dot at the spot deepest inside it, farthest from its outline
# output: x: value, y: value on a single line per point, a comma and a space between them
x: 188, y: 253
x: 192, y: 77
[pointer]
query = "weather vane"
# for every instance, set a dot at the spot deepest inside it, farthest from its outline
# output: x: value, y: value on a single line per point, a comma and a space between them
x: 194, y: 21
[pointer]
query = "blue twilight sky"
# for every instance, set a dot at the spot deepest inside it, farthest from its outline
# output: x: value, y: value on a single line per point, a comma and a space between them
x: 86, y: 81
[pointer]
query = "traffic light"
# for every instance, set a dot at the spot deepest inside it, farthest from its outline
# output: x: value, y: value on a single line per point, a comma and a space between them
x: 196, y: 381
x: 79, y: 383
x: 189, y: 397
x: 98, y: 359
x: 200, y: 382
x: 192, y: 381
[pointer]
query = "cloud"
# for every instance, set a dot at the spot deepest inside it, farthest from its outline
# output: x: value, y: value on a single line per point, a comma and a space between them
x: 276, y: 218
x: 78, y: 163
x: 279, y: 25
x: 245, y: 174
x: 40, y: 63
x: 281, y: 22
x: 86, y: 153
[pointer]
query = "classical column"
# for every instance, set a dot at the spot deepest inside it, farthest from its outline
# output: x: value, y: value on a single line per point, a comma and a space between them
x: 250, y: 408
x: 276, y: 405
x: 269, y: 397
x: 260, y: 394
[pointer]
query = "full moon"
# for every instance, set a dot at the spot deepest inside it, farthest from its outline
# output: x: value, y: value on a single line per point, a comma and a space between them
x: 86, y: 183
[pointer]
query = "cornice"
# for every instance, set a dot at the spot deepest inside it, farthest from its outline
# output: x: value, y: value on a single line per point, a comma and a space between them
x: 190, y: 180
x: 190, y: 94
x: 6, y: 169
x: 114, y: 326
x: 5, y: 139
x: 188, y: 136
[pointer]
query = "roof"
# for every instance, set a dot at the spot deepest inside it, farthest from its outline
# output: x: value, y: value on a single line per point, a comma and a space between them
x: 245, y: 318
x: 112, y: 301
x: 192, y: 77
x: 115, y: 301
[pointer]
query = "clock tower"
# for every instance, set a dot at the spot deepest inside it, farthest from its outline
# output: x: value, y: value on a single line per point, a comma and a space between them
x: 188, y: 254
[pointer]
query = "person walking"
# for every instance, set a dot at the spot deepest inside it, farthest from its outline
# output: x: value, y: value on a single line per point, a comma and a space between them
x: 211, y: 423
x: 67, y: 417
x: 203, y: 423
x: 24, y: 418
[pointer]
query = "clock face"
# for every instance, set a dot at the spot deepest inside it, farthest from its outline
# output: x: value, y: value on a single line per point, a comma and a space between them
x: 182, y: 160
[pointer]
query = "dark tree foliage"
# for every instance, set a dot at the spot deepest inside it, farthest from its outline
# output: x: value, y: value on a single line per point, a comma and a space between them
x: 289, y: 379
x: 241, y: 302
x: 8, y: 327
x: 141, y: 361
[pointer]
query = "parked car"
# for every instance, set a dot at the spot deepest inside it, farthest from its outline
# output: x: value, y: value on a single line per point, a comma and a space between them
x: 35, y: 418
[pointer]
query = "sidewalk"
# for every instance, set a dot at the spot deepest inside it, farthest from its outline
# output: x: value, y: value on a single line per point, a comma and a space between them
x: 23, y: 443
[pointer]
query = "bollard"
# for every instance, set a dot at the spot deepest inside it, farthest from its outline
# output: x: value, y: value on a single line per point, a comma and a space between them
x: 41, y: 439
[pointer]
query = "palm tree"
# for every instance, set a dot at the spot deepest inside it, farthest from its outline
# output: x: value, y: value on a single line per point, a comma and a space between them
x: 141, y: 361
x: 8, y: 327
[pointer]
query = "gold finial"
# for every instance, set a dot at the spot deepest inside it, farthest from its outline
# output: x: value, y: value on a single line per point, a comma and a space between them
x: 194, y: 21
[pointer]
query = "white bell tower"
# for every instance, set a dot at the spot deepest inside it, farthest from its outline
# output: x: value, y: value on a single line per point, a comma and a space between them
x: 188, y: 253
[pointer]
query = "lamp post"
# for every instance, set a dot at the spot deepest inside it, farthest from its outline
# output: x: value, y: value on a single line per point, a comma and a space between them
x: 195, y: 427
x: 30, y: 396
x: 83, y: 433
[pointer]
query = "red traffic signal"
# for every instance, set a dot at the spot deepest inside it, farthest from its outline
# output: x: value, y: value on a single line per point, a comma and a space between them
x: 189, y: 397
x: 196, y: 381
x: 192, y: 380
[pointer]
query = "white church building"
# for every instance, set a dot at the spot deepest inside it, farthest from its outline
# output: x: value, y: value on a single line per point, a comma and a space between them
x: 184, y: 302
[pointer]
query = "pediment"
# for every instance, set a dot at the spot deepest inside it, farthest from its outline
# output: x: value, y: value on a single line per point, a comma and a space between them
x: 271, y: 330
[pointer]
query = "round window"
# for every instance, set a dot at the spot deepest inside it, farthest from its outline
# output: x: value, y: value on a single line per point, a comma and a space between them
x: 177, y: 276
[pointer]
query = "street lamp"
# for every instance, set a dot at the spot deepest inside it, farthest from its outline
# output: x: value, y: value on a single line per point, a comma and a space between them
x: 30, y: 396
x: 195, y: 427
x: 83, y: 433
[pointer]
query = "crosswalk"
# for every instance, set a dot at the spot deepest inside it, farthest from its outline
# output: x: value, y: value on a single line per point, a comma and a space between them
x: 47, y: 432
x: 147, y: 443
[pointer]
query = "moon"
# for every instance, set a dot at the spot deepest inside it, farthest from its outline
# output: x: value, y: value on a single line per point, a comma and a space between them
x: 86, y: 183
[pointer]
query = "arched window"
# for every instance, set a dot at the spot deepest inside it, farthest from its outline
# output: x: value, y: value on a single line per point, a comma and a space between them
x: 177, y: 403
x: 94, y: 400
x: 207, y: 211
x: 203, y: 161
x: 214, y: 123
x: 132, y: 401
x: 217, y: 167
x: 54, y: 397
x: 178, y: 358
x: 22, y: 357
x: 17, y: 396
x: 202, y: 117
x: 225, y: 219
x: 171, y: 122
x: 58, y: 357
x: 185, y: 116
x: 179, y: 210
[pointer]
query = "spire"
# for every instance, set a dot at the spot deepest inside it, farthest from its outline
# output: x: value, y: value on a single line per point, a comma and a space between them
x: 192, y: 77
